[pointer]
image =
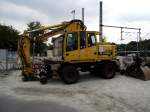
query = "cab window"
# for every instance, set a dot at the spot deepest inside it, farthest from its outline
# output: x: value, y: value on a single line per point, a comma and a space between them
x: 72, y: 41
x: 91, y: 39
x: 82, y: 39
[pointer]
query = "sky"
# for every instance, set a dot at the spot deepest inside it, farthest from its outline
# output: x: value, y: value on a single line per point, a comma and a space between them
x: 129, y: 13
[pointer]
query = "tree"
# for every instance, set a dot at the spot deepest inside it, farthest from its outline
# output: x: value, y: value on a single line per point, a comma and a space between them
x: 8, y: 37
x: 40, y: 47
x: 33, y: 25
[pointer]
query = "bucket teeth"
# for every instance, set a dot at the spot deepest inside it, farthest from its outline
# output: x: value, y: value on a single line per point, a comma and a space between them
x: 146, y: 72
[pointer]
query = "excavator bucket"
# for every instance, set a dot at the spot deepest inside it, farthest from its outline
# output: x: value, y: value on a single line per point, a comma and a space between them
x: 146, y: 72
x: 138, y: 71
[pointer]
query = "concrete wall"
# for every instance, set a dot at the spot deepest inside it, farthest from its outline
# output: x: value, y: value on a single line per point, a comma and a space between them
x: 3, y: 54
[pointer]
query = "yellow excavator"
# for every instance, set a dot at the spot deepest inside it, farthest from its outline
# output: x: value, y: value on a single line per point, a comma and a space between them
x: 76, y: 50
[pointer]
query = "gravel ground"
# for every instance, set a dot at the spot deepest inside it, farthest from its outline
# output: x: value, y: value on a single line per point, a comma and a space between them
x: 90, y: 94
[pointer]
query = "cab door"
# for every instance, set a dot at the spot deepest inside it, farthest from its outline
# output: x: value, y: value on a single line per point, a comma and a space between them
x: 91, y: 46
x: 87, y: 46
x: 71, y: 52
x: 83, y: 46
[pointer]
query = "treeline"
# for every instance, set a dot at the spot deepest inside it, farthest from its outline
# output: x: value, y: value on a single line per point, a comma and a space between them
x: 143, y: 46
x: 9, y: 38
x: 132, y: 46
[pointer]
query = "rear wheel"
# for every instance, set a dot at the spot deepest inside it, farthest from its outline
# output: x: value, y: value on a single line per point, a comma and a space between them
x: 69, y: 74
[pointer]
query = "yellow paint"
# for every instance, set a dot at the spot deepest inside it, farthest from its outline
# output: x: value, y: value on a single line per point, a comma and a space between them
x: 24, y: 54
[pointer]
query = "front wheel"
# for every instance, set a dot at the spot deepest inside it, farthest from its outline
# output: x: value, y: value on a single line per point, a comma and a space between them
x: 108, y: 70
x: 69, y: 74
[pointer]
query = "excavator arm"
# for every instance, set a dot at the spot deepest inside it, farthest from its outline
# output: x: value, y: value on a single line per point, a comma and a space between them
x: 24, y: 54
x: 24, y: 42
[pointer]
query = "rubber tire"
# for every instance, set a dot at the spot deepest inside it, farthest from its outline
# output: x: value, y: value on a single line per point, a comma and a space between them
x: 122, y: 72
x: 108, y: 70
x: 69, y: 75
x: 43, y: 78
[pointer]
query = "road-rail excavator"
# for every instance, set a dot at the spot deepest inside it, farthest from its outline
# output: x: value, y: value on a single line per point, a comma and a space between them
x: 76, y: 50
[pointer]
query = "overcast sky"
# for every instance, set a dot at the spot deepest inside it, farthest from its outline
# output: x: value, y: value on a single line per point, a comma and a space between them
x: 131, y: 13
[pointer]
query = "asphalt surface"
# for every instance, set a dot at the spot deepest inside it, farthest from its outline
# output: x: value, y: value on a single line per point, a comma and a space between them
x: 9, y: 104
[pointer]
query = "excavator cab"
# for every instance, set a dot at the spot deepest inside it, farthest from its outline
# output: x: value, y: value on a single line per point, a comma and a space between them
x: 83, y: 46
x: 79, y: 46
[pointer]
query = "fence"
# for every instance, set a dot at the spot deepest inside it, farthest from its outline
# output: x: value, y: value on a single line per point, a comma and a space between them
x: 9, y: 59
x: 145, y: 53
